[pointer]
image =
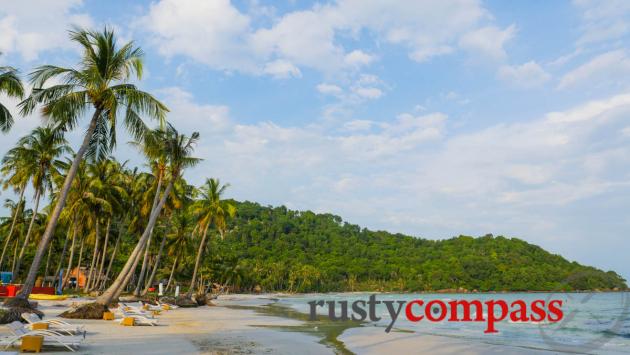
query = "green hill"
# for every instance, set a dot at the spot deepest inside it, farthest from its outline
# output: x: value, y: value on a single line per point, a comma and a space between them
x: 280, y: 249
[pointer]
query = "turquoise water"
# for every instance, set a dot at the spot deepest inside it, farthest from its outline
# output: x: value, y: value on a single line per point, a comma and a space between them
x: 593, y: 322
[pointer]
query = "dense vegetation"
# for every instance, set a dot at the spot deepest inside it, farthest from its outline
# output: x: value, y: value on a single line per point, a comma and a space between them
x: 281, y: 249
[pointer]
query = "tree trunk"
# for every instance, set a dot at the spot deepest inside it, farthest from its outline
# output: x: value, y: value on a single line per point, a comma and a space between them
x: 63, y: 253
x: 18, y: 263
x: 76, y: 286
x: 70, y: 259
x: 10, y: 235
x: 48, y: 261
x: 100, y: 269
x: 94, y: 257
x: 56, y: 212
x: 15, y: 251
x: 143, y: 268
x: 157, y: 264
x: 123, y: 278
x: 198, y: 260
x: 113, y: 257
x: 170, y: 278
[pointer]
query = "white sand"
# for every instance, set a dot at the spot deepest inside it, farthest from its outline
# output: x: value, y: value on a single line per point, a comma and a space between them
x: 222, y: 330
x: 203, y: 330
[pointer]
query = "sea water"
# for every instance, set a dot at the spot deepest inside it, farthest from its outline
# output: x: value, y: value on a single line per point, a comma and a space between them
x: 592, y: 323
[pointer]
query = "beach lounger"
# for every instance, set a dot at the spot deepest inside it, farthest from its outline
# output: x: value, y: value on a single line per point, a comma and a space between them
x: 134, y: 310
x: 171, y: 306
x: 139, y: 319
x: 150, y: 307
x: 53, y: 324
x: 51, y: 338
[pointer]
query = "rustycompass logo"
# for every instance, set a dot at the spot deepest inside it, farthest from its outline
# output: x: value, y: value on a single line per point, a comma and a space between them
x: 418, y: 310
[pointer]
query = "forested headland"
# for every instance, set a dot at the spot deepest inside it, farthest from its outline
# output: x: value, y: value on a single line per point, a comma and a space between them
x: 281, y: 249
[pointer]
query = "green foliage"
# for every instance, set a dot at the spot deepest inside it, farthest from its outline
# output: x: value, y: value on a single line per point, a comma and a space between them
x: 280, y: 249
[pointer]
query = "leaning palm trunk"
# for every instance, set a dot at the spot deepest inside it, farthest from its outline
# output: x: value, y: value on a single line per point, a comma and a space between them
x: 47, y: 261
x: 143, y: 269
x: 10, y: 235
x: 100, y: 269
x: 15, y: 251
x: 125, y: 275
x: 170, y: 278
x: 94, y: 258
x: 63, y: 254
x: 76, y: 286
x: 70, y: 259
x: 111, y: 260
x: 155, y: 267
x: 56, y: 212
x: 18, y: 263
x: 198, y: 259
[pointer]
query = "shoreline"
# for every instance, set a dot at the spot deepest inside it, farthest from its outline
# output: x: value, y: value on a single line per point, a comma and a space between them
x: 256, y: 324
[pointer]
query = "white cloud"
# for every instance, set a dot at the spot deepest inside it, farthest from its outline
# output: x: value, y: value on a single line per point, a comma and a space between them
x: 190, y: 116
x: 30, y: 28
x: 210, y: 32
x: 219, y: 35
x: 329, y: 89
x: 488, y: 41
x: 362, y: 125
x: 603, y: 20
x: 626, y: 131
x: 368, y: 92
x: 358, y: 58
x: 282, y: 69
x: 610, y: 68
x: 527, y: 75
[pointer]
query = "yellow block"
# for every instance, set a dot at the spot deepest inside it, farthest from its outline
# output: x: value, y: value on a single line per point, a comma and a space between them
x: 40, y: 326
x: 108, y: 316
x: 145, y: 307
x: 166, y: 307
x: 156, y: 313
x: 32, y: 343
x: 128, y: 321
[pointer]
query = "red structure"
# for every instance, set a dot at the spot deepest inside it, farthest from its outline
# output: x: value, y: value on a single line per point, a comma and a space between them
x: 12, y: 290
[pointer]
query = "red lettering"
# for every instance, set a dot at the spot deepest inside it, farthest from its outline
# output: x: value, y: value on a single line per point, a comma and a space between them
x: 466, y: 307
x: 428, y: 311
x: 410, y: 316
x: 555, y: 310
x: 491, y: 316
x: 519, y: 315
x: 538, y: 308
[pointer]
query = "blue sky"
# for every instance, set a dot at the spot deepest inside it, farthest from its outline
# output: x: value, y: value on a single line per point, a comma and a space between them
x: 433, y: 118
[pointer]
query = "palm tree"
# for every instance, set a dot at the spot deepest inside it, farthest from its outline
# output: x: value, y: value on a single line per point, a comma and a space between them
x: 179, y: 149
x: 153, y: 149
x: 179, y: 240
x: 211, y: 210
x: 12, y: 165
x: 10, y: 85
x: 100, y: 82
x: 17, y: 211
x: 182, y: 196
x: 39, y: 151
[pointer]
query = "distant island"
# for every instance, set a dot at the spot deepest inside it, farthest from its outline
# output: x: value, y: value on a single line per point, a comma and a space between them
x: 277, y: 249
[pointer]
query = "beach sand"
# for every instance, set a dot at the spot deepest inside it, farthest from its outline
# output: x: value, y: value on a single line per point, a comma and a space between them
x: 222, y: 329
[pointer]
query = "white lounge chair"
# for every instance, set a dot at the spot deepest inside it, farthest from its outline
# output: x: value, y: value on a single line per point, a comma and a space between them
x: 138, y: 318
x: 53, y: 324
x: 170, y: 305
x: 134, y: 310
x: 51, y: 338
x: 150, y: 307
